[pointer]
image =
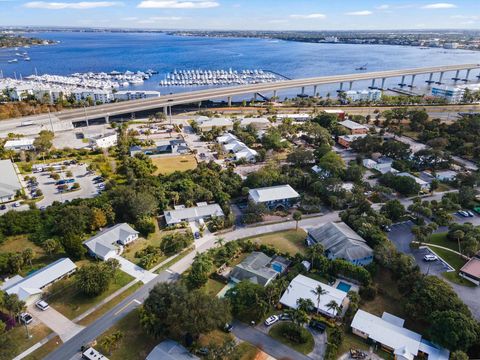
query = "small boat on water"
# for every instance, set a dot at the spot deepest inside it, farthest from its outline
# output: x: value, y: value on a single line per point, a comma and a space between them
x: 12, y: 61
x: 27, y: 58
x: 361, y: 68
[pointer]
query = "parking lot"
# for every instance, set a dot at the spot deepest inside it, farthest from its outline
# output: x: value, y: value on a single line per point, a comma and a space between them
x: 51, y: 191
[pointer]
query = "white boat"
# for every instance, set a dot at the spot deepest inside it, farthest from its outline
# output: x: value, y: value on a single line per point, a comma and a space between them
x: 27, y: 58
x: 13, y: 61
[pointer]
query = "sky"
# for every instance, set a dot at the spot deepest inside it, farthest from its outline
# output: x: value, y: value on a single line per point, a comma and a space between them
x: 244, y: 14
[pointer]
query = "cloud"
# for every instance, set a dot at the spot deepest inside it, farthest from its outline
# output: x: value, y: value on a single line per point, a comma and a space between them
x: 177, y: 4
x: 439, y: 6
x: 466, y: 17
x: 383, y: 7
x: 360, y: 13
x: 308, y: 16
x: 64, y: 5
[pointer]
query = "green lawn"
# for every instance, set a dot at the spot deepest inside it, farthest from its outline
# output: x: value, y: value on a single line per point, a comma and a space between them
x: 289, y: 241
x: 276, y: 333
x: 37, y: 333
x: 64, y: 296
x: 135, y: 344
x: 455, y: 261
x: 457, y: 279
x: 44, y: 350
x: 246, y: 351
x: 440, y: 239
x: 213, y: 287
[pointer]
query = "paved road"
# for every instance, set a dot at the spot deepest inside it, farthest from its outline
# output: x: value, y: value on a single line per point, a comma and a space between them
x: 70, y: 349
x: 266, y: 343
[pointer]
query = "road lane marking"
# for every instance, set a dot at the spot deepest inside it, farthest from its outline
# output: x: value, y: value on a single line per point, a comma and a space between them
x: 127, y: 305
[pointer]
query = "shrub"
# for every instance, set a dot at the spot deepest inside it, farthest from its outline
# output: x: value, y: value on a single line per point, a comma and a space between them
x: 368, y: 292
x: 294, y: 333
x: 145, y: 226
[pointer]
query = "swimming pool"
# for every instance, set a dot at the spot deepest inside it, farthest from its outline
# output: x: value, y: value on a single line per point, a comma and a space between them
x: 344, y: 286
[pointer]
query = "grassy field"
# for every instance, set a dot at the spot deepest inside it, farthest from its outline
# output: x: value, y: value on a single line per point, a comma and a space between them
x: 37, y: 333
x: 289, y: 241
x: 440, y: 239
x: 276, y: 333
x: 65, y: 297
x: 109, y: 305
x: 46, y: 349
x: 20, y: 243
x: 246, y: 351
x: 455, y: 260
x: 136, y: 342
x: 213, y: 287
x: 168, y: 165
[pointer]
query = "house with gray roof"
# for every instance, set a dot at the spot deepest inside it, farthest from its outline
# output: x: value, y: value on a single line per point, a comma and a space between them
x: 202, y: 211
x: 30, y: 288
x: 111, y: 241
x: 9, y: 182
x: 170, y: 350
x: 273, y: 197
x: 341, y: 242
x: 256, y: 268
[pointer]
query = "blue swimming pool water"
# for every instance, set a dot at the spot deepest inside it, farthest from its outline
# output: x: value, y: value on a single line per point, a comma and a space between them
x: 344, y: 286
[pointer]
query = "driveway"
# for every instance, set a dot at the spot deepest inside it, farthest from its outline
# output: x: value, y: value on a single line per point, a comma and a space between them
x: 134, y: 270
x: 64, y: 327
x: 266, y: 343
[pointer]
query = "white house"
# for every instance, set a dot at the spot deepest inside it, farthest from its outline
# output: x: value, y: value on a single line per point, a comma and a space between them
x: 381, y: 166
x: 257, y: 123
x: 207, y: 124
x: 231, y: 144
x: 273, y: 197
x: 294, y: 117
x: 446, y: 175
x: 389, y: 333
x: 9, y: 182
x: 30, y: 288
x: 363, y: 95
x: 103, y: 96
x: 302, y: 287
x: 202, y: 211
x: 19, y: 144
x: 104, y: 141
x: 111, y: 241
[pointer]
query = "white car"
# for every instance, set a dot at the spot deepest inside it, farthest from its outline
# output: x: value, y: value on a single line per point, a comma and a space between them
x: 271, y: 320
x: 26, y: 318
x: 430, y: 257
x: 42, y: 305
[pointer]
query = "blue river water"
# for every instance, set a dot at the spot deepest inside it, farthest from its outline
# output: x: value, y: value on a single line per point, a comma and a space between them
x: 84, y: 51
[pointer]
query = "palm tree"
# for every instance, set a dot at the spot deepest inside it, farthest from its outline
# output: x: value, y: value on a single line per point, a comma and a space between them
x: 333, y: 305
x: 319, y: 291
x: 297, y: 216
x: 220, y: 242
x: 315, y: 251
x: 305, y: 305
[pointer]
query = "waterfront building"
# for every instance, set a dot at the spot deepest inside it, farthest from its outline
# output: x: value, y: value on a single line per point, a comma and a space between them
x: 363, y: 95
x: 102, y: 96
x: 135, y: 95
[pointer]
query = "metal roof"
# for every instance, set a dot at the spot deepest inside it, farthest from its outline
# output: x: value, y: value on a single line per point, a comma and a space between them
x: 18, y: 142
x: 302, y: 287
x: 273, y: 193
x: 106, y: 240
x: 197, y: 212
x: 170, y: 350
x: 341, y: 241
x: 352, y: 125
x: 255, y: 268
x: 33, y: 283
x: 9, y: 182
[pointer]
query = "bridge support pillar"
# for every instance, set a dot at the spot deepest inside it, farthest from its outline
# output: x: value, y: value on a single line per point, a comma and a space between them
x: 165, y: 110
x: 430, y: 81
x: 402, y: 82
x: 350, y: 85
x: 229, y: 100
x: 456, y: 78
x: 107, y: 120
x: 383, y: 84
x: 255, y: 97
x: 372, y: 86
x: 341, y: 88
x: 467, y: 75
x: 303, y: 90
x: 315, y: 90
x: 411, y: 83
x: 439, y: 82
x: 275, y: 94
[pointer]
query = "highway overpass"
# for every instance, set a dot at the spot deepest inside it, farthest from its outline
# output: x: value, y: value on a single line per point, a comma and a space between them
x: 165, y: 101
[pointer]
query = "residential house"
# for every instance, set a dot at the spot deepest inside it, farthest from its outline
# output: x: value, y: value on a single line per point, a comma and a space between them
x: 9, y: 183
x: 424, y: 185
x: 257, y: 123
x: 162, y: 147
x: 170, y: 350
x: 353, y: 127
x: 302, y: 287
x: 274, y: 197
x: 259, y: 268
x: 340, y: 113
x: 104, y: 141
x: 322, y: 173
x: 202, y: 211
x: 19, y: 144
x: 295, y: 117
x: 206, y: 124
x: 389, y: 332
x: 110, y: 242
x: 347, y: 140
x: 471, y: 270
x: 30, y: 288
x: 446, y: 175
x: 382, y: 165
x: 231, y: 144
x: 341, y: 242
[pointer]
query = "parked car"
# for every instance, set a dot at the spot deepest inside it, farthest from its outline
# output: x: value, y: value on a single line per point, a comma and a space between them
x: 469, y: 213
x: 3, y: 207
x: 430, y: 257
x: 228, y: 327
x: 285, y: 317
x: 462, y: 213
x: 317, y: 325
x: 16, y: 204
x: 60, y: 182
x: 26, y: 318
x: 69, y: 181
x: 42, y: 305
x: 271, y: 320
